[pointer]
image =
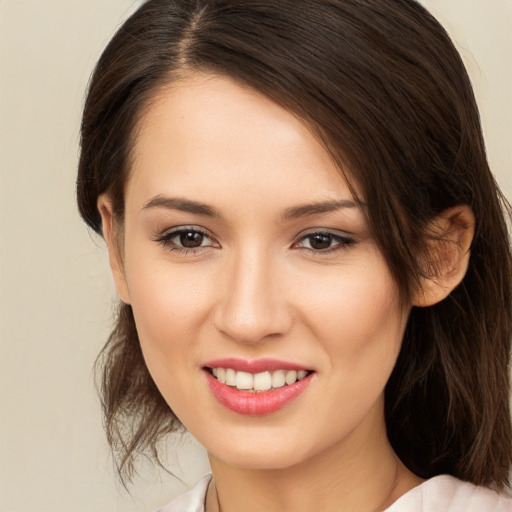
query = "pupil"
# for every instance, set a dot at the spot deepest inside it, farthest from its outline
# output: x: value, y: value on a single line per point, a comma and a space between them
x: 191, y: 239
x: 320, y: 241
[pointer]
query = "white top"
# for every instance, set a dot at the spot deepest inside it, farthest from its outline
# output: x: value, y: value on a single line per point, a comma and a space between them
x: 442, y: 493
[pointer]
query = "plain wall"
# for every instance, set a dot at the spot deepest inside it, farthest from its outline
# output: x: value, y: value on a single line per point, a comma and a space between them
x: 55, y: 289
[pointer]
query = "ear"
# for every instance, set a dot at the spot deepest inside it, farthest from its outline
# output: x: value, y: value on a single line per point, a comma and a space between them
x: 449, y: 238
x: 111, y: 235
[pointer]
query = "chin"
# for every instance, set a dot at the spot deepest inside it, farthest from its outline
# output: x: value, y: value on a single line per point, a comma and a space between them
x: 261, y: 452
x: 257, y: 460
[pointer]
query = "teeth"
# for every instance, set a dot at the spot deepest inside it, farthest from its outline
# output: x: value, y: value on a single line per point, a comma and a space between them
x: 291, y: 377
x: 244, y: 380
x: 260, y: 381
x: 230, y: 377
x: 221, y: 375
x: 278, y: 379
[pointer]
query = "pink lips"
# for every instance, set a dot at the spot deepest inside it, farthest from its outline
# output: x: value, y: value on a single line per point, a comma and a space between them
x: 252, y: 403
x: 256, y: 366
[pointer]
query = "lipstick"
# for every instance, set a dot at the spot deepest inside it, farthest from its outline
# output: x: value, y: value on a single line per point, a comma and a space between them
x: 256, y: 403
x: 254, y: 366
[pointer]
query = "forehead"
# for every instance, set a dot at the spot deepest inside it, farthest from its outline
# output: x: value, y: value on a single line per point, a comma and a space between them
x: 207, y: 135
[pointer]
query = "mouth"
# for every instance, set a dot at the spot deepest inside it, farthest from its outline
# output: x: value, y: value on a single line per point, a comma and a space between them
x: 256, y: 388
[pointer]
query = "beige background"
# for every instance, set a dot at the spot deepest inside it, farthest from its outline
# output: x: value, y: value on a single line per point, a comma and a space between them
x: 55, y: 290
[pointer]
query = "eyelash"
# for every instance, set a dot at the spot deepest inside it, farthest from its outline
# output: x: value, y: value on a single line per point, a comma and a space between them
x: 166, y: 239
x: 342, y: 242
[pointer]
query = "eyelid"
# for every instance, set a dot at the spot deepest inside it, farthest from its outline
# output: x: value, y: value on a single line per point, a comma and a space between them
x: 166, y: 236
x: 344, y: 240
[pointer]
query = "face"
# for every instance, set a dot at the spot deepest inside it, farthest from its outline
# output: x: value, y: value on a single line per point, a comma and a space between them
x: 246, y: 258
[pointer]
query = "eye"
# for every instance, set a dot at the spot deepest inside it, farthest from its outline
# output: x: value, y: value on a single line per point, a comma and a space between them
x: 190, y: 239
x: 185, y: 239
x: 323, y: 241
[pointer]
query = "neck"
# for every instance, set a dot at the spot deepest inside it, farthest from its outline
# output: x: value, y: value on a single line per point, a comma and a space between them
x: 361, y: 473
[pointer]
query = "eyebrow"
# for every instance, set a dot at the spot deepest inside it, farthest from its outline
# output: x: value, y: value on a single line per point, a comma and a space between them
x: 187, y: 205
x: 317, y: 208
x: 184, y: 205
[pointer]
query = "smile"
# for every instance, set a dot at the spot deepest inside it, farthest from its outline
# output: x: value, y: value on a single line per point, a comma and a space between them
x: 256, y: 392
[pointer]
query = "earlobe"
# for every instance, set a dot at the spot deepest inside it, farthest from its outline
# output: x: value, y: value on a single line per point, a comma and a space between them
x: 110, y: 234
x: 449, y: 239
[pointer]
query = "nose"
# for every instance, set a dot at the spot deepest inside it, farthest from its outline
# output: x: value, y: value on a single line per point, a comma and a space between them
x: 253, y: 304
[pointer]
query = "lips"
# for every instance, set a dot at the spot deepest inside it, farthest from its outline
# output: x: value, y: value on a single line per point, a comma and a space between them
x: 255, y: 366
x: 256, y: 387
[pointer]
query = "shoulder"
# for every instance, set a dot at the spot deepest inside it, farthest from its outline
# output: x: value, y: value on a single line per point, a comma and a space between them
x: 191, y: 501
x: 450, y: 494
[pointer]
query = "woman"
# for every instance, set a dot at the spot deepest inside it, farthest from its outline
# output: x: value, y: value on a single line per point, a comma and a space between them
x: 310, y: 252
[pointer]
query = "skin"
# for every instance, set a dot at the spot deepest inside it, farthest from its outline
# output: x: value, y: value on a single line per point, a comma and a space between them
x: 258, y: 287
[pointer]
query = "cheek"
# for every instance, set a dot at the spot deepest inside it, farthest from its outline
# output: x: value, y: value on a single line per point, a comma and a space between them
x: 169, y: 313
x: 163, y: 295
x: 167, y: 299
x: 171, y: 307
x: 356, y: 304
x: 360, y: 323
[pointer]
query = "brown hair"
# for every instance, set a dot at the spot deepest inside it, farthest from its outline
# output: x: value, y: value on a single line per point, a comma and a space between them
x: 381, y: 84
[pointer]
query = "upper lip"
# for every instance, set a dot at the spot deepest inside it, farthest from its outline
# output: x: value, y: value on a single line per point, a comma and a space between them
x: 255, y: 365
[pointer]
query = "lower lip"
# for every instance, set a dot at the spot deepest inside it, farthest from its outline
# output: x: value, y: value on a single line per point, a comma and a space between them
x: 256, y: 404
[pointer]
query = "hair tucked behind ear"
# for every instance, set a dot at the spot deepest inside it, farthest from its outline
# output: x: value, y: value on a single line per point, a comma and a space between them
x: 381, y: 85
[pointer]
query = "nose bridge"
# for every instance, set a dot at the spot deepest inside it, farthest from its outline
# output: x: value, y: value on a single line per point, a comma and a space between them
x: 251, y: 307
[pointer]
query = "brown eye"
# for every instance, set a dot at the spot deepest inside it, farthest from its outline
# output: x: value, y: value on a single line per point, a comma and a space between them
x: 186, y: 239
x: 191, y: 239
x: 320, y: 241
x: 324, y: 242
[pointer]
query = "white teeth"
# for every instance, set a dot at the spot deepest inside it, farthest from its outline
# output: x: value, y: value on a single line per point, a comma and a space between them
x: 278, y: 379
x: 291, y: 377
x: 260, y: 381
x: 230, y: 377
x: 244, y: 380
x: 221, y: 375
